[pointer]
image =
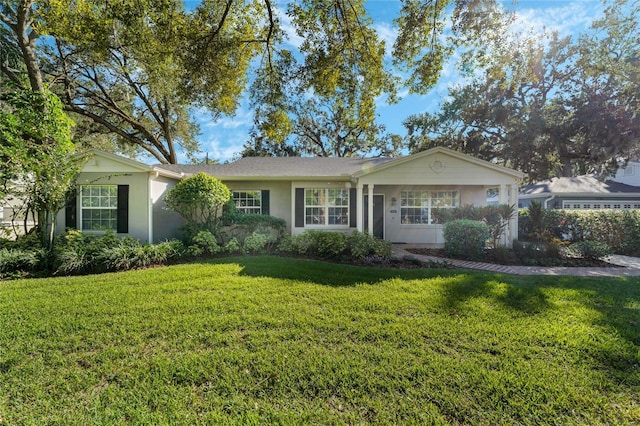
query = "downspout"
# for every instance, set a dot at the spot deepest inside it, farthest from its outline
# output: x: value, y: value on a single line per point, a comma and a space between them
x: 546, y: 202
x: 153, y: 175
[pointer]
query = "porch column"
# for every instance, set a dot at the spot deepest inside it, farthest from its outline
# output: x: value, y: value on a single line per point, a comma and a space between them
x: 513, y: 223
x: 370, y: 211
x: 503, y: 197
x: 359, y: 209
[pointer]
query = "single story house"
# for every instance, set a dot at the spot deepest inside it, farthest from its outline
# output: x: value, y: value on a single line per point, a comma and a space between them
x: 581, y: 192
x: 391, y: 198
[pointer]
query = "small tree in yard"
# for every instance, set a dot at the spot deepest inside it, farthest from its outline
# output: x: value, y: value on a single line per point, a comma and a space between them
x: 39, y: 159
x: 199, y: 199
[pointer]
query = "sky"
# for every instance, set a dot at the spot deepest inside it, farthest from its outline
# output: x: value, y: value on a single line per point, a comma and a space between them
x: 223, y: 139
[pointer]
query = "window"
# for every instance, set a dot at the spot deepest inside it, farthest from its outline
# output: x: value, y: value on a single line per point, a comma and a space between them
x: 326, y: 206
x: 248, y: 201
x: 415, y: 206
x: 99, y: 207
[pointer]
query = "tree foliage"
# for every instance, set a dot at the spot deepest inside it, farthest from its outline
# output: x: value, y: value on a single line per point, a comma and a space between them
x: 322, y: 100
x: 139, y: 69
x: 199, y: 199
x: 546, y: 106
x: 39, y: 159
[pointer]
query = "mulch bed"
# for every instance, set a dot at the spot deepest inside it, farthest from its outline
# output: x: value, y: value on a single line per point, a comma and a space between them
x: 511, y: 259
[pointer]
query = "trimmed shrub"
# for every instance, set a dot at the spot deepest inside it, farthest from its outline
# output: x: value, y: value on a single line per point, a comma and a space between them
x: 465, y: 239
x: 362, y: 245
x: 232, y: 246
x: 198, y: 199
x: 256, y: 243
x: 335, y: 245
x: 204, y: 242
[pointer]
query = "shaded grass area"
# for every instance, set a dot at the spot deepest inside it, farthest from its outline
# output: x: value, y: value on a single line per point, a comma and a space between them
x: 262, y: 340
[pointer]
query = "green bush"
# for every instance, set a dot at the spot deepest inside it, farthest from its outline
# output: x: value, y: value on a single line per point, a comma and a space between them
x: 619, y: 229
x: 206, y: 242
x: 79, y: 253
x: 587, y: 249
x: 362, y: 245
x: 232, y: 246
x: 256, y: 243
x: 241, y: 225
x: 335, y: 245
x: 198, y: 199
x: 466, y: 239
x: 496, y: 217
x: 17, y: 260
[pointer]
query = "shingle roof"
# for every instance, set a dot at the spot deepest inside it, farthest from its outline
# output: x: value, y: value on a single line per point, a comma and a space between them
x: 281, y: 167
x: 579, y: 184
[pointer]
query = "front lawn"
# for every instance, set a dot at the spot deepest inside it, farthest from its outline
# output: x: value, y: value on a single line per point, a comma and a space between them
x: 266, y: 340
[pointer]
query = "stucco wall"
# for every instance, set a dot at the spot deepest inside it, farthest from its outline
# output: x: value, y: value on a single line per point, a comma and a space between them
x: 138, y: 199
x: 397, y: 232
x: 166, y: 223
x: 279, y: 196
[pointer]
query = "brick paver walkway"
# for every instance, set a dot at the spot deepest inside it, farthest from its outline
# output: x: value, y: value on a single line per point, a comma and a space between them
x: 622, y: 266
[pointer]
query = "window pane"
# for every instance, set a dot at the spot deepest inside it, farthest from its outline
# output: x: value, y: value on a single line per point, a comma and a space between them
x: 99, y: 207
x: 248, y: 201
x: 314, y: 216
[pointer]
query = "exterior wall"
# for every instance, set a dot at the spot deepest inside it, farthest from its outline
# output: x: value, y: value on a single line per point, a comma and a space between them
x: 165, y: 223
x: 396, y: 232
x: 280, y: 198
x: 139, y: 212
x: 629, y: 175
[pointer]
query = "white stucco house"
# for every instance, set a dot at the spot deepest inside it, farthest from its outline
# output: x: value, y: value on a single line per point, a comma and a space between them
x: 391, y: 198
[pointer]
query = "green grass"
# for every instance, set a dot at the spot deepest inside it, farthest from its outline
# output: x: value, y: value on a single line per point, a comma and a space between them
x: 263, y: 340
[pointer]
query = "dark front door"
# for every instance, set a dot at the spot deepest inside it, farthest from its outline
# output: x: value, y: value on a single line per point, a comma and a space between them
x: 378, y: 215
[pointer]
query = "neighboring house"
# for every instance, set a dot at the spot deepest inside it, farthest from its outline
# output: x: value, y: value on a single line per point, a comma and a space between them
x: 581, y: 192
x: 391, y: 198
x: 629, y: 174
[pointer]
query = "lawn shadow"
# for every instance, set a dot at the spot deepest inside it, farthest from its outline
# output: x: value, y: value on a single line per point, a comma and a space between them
x: 323, y: 272
x: 464, y: 287
x: 617, y: 301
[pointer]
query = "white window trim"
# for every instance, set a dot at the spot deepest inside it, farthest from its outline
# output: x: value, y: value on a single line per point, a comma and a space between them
x: 326, y: 206
x: 239, y: 209
x: 81, y: 208
x: 429, y: 205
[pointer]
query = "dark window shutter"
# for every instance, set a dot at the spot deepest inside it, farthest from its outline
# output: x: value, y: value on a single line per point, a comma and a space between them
x: 299, y: 220
x: 71, y: 211
x: 123, y: 209
x: 353, y: 199
x: 265, y: 201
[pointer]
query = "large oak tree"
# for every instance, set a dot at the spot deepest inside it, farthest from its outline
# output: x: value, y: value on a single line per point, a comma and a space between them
x: 548, y: 106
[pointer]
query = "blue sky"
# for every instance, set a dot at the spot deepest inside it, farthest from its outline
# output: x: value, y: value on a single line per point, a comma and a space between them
x: 223, y: 139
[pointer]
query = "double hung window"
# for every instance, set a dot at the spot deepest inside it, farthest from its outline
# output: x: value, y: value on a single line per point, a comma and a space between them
x: 99, y: 207
x: 326, y: 206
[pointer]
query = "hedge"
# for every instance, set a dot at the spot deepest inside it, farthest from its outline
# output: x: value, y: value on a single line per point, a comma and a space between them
x: 618, y: 229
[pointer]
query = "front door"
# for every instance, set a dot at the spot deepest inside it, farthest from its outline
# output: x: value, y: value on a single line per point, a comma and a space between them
x: 378, y: 215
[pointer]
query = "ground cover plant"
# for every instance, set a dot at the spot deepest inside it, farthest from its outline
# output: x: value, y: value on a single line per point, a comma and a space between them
x: 267, y: 340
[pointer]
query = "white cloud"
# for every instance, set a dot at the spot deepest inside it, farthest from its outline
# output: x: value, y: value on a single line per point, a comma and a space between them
x: 388, y: 34
x: 225, y: 147
x: 292, y: 39
x: 568, y: 18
